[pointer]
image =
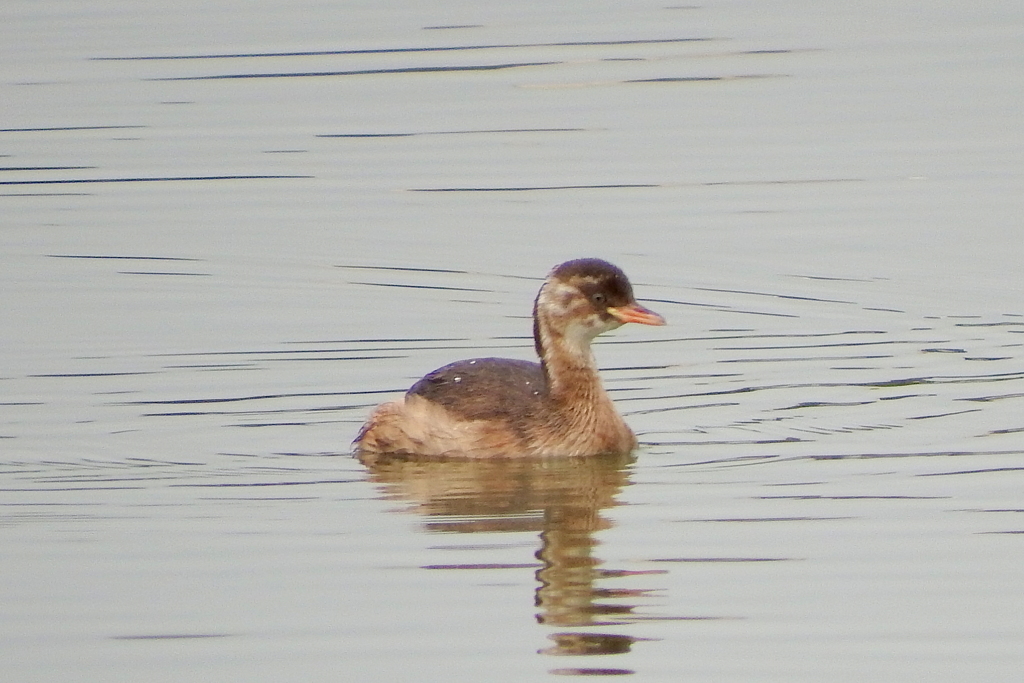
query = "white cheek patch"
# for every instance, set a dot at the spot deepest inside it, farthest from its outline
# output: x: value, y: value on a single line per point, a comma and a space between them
x: 566, y: 302
x: 577, y: 319
x: 585, y: 329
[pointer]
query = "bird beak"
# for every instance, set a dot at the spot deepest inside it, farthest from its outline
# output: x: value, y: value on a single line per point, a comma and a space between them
x: 635, y: 313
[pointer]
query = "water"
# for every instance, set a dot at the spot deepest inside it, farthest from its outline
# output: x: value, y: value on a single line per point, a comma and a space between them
x: 213, y: 267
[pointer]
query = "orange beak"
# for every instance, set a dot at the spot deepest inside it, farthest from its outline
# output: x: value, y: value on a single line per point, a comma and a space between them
x: 635, y: 313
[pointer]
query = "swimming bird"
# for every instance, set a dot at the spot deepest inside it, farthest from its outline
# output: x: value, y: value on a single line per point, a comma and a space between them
x: 499, y: 407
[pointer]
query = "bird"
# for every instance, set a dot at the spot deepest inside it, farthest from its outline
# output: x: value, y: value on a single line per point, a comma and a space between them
x: 502, y: 408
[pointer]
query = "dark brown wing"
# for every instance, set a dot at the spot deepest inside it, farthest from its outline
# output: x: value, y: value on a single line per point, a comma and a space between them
x: 487, y: 388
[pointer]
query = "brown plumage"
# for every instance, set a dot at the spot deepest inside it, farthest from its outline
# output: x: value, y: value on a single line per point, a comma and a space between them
x: 497, y: 407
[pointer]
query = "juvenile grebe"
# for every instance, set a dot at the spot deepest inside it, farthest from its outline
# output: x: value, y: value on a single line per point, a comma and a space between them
x: 497, y: 407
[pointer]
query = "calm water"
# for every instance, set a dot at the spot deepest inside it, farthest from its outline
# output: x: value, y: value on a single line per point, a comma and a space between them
x: 229, y: 230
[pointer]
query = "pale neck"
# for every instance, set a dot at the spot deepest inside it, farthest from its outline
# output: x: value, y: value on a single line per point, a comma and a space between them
x: 568, y: 363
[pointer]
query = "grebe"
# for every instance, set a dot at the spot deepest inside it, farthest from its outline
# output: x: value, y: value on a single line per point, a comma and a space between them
x: 498, y: 407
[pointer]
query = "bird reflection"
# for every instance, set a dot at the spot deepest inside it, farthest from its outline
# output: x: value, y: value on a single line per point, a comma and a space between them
x: 561, y: 498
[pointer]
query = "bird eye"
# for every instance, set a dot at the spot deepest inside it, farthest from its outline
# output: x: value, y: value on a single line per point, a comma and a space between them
x: 599, y: 299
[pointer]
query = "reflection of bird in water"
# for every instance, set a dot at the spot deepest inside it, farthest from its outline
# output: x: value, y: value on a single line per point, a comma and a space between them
x: 490, y: 407
x: 562, y: 498
x: 504, y: 494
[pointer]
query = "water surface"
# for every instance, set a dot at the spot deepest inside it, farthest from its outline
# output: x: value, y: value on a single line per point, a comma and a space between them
x: 228, y: 234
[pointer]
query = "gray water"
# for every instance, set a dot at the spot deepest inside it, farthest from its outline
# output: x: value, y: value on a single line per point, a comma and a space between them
x: 230, y: 229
